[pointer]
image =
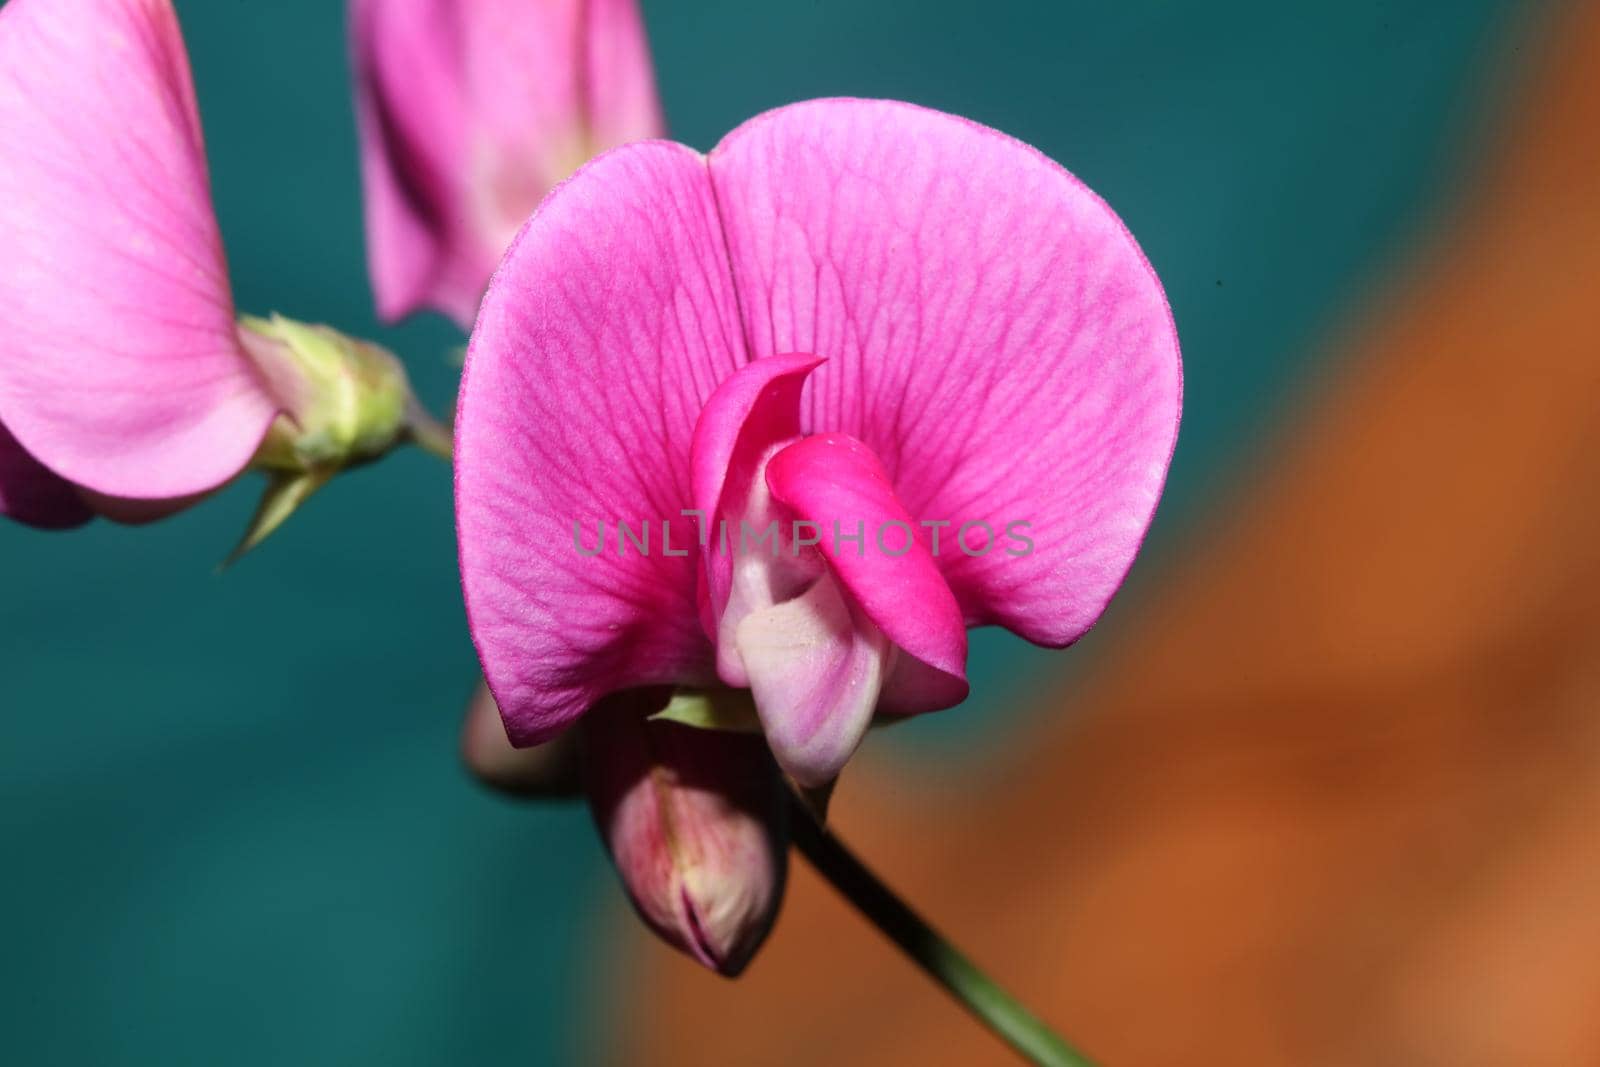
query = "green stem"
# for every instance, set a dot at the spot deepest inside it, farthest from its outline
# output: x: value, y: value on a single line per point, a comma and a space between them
x: 428, y: 433
x: 942, y: 961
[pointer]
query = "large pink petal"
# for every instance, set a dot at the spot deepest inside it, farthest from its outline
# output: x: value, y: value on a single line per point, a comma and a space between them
x: 469, y: 112
x: 992, y: 332
x: 119, y: 363
x: 30, y: 494
x: 607, y: 327
x: 879, y: 555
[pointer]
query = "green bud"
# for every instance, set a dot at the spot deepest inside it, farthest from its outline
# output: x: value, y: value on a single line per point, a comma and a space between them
x: 346, y: 402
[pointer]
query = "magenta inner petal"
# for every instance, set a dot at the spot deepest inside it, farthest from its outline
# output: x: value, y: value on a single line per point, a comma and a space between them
x: 881, y: 555
x: 748, y: 564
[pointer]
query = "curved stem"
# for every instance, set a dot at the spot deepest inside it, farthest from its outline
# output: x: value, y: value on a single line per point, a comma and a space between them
x: 938, y: 958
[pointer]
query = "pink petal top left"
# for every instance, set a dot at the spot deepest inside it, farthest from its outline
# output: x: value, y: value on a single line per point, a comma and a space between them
x: 121, y: 369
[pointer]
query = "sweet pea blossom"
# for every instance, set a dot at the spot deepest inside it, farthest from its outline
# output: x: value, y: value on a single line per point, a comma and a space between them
x: 469, y: 112
x: 127, y: 387
x: 854, y: 315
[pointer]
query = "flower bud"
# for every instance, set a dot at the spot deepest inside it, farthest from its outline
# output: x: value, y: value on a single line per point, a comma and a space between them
x: 346, y: 402
x: 544, y: 771
x: 695, y: 823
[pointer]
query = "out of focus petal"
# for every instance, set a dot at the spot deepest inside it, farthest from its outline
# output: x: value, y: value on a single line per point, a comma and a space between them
x: 410, y: 102
x: 544, y: 771
x: 620, y: 83
x: 30, y: 494
x: 120, y: 368
x: 470, y: 111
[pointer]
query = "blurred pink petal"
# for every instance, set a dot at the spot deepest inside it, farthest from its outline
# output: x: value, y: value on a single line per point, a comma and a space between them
x: 470, y: 111
x: 120, y: 367
x: 32, y: 495
x: 695, y: 823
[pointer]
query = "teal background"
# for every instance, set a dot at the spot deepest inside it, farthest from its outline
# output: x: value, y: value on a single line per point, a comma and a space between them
x: 232, y: 821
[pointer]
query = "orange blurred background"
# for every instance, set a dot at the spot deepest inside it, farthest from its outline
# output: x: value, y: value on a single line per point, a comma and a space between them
x: 1329, y: 793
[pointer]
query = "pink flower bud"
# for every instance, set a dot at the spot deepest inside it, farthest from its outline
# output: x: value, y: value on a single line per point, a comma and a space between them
x: 695, y: 823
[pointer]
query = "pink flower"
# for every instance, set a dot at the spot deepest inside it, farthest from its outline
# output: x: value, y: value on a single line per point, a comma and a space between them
x: 127, y: 387
x: 121, y: 368
x: 470, y: 111
x: 851, y: 316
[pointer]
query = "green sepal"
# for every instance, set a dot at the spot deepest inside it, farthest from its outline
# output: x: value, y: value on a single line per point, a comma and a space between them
x: 733, y: 710
x: 344, y: 402
x: 285, y: 492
